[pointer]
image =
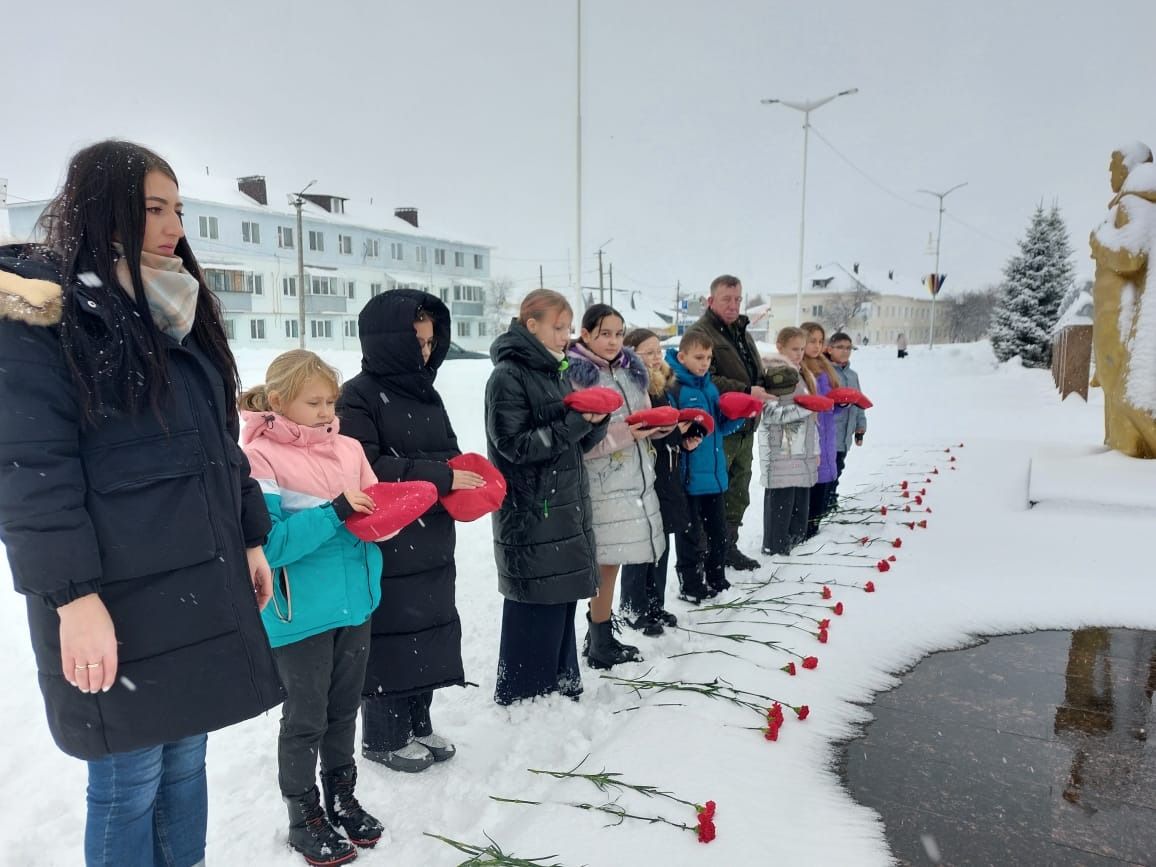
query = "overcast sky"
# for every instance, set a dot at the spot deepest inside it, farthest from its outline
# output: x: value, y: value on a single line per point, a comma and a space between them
x: 466, y: 110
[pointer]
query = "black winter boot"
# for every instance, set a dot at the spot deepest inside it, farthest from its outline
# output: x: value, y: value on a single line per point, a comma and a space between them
x: 736, y: 559
x: 692, y: 586
x: 344, y: 811
x: 603, y: 650
x: 311, y: 834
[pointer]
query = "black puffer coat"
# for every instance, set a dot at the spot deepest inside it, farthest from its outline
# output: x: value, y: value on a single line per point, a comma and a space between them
x: 156, y: 518
x: 392, y: 408
x: 543, y: 539
x: 668, y: 482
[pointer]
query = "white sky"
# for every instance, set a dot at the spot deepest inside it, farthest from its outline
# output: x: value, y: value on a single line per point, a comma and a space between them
x: 466, y: 110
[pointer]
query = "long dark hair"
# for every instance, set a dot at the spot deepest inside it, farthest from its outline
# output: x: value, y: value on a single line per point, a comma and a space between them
x: 122, y: 368
x: 595, y: 313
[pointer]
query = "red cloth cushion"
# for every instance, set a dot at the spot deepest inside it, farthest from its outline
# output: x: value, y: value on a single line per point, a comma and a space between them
x: 850, y: 395
x: 469, y: 504
x: 398, y: 505
x: 737, y: 404
x: 596, y: 399
x: 659, y: 416
x: 701, y: 422
x: 815, y: 402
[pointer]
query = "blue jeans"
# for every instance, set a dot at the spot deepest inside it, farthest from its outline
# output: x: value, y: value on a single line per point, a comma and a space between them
x: 148, y: 808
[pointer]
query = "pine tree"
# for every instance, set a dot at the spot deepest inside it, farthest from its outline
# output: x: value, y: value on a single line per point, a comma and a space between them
x: 1035, y: 282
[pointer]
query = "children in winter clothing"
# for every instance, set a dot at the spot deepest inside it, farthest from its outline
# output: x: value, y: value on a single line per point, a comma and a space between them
x: 701, y: 566
x: 825, y: 379
x: 620, y: 470
x: 643, y: 594
x: 788, y: 446
x: 325, y: 589
x: 850, y: 420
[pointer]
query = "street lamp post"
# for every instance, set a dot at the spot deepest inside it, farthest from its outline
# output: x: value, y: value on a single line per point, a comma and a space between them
x: 806, y: 107
x: 935, y: 273
x: 298, y: 202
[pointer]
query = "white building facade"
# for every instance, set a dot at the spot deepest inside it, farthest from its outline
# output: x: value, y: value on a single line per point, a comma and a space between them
x: 246, y: 241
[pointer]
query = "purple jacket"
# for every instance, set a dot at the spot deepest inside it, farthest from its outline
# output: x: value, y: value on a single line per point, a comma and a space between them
x: 827, y: 469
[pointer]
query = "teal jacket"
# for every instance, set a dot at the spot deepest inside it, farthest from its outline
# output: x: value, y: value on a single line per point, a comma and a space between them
x: 324, y: 577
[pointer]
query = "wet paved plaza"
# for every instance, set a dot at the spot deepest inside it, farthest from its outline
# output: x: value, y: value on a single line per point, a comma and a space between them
x: 1024, y: 750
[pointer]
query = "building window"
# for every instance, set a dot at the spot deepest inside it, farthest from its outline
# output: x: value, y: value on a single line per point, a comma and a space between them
x: 224, y: 281
x: 250, y: 232
x: 817, y: 310
x: 291, y: 329
x: 444, y: 293
x: 468, y: 293
x: 321, y: 328
x: 477, y: 261
x: 345, y: 245
x: 422, y: 254
x: 285, y: 237
x: 255, y: 284
x: 324, y: 286
x: 257, y: 329
x: 459, y: 260
x: 350, y: 327
x: 439, y: 256
x: 464, y: 327
x: 289, y: 286
x: 351, y: 289
x: 231, y: 329
x: 372, y: 248
x: 396, y: 251
x: 482, y: 329
x: 316, y: 241
x: 208, y: 228
x: 374, y: 290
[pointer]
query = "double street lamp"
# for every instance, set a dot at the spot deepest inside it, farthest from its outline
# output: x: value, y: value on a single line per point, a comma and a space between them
x: 935, y: 279
x: 806, y: 107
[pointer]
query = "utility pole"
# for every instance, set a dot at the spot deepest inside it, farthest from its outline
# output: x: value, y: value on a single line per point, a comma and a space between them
x: 298, y: 203
x: 541, y: 279
x: 578, y: 173
x: 611, y: 284
x: 601, y: 286
x: 935, y: 281
x: 677, y: 304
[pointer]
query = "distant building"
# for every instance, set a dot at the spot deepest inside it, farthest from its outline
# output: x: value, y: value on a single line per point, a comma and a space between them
x: 246, y: 242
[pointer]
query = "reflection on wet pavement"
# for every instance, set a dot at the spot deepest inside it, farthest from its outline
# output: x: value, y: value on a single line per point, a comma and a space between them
x: 1024, y: 750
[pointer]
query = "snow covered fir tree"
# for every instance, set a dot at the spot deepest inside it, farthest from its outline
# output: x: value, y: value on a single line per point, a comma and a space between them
x: 1036, y: 281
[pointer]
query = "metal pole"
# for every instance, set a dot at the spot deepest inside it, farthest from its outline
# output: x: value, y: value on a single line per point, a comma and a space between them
x: 935, y: 277
x: 578, y: 151
x: 601, y: 288
x: 802, y: 220
x: 611, y: 284
x: 298, y: 202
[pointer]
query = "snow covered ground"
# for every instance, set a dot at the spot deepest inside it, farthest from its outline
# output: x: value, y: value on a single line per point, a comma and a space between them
x: 985, y: 564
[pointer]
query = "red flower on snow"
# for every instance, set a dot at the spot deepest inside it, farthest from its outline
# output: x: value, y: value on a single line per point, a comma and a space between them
x: 838, y: 609
x: 935, y: 471
x: 772, y: 732
x: 907, y: 508
x: 822, y: 636
x: 923, y: 491
x: 882, y: 510
x: 947, y: 451
x: 923, y: 525
x: 883, y: 566
x: 898, y: 543
x: 706, y: 830
x: 811, y: 662
x: 892, y: 558
x: 802, y: 711
x: 953, y: 459
x: 824, y: 623
x: 826, y: 594
x: 869, y: 586
x: 903, y: 485
x: 864, y: 540
x: 918, y: 500
x: 910, y: 525
x: 905, y: 492
x: 708, y: 809
x: 789, y: 668
x: 928, y: 510
x: 775, y: 713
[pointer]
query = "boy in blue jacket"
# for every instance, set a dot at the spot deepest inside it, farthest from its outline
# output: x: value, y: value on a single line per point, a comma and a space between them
x: 701, y: 546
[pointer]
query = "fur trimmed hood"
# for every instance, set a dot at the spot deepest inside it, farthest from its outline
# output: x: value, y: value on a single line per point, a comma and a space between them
x: 28, y: 292
x: 585, y: 366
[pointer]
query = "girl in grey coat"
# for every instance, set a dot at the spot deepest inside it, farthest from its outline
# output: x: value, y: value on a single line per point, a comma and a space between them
x: 626, y: 516
x: 788, y: 448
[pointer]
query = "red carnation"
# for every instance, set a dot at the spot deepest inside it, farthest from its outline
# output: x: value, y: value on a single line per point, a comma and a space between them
x: 789, y: 668
x: 892, y: 558
x: 903, y: 484
x: 822, y: 636
x: 864, y: 540
x: 928, y: 510
x: 909, y: 524
x: 907, y: 508
x: 918, y: 500
x: 961, y: 445
x: 775, y: 713
x: 882, y: 510
x: 951, y: 468
x: 810, y: 662
x: 869, y: 586
x: 905, y: 492
x: 923, y: 525
x: 826, y: 594
x: 772, y: 732
x: 898, y: 543
x: 923, y: 491
x: 803, y: 711
x: 706, y: 831
x: 935, y: 471
x: 928, y: 482
x: 947, y: 451
x: 838, y: 609
x: 707, y: 810
x: 883, y: 566
x: 824, y: 623
x: 952, y: 459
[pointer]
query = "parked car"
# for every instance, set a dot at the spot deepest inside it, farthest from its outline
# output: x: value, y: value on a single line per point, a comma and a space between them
x: 456, y: 351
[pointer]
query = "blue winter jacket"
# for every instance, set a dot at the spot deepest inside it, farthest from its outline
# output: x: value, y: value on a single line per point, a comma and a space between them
x: 705, y: 469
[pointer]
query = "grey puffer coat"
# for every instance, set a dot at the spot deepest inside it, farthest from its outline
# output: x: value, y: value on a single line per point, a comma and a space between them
x: 627, y: 517
x: 788, y: 439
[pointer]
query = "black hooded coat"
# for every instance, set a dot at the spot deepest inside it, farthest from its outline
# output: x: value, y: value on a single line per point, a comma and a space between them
x: 393, y: 410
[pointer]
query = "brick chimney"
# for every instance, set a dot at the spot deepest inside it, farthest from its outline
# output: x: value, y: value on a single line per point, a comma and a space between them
x: 254, y: 187
x: 407, y: 214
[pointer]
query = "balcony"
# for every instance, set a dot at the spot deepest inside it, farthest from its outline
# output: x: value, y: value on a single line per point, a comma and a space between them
x: 325, y: 303
x: 467, y: 308
x: 235, y: 302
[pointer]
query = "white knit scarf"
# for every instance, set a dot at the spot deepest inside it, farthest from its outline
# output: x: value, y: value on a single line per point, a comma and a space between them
x: 170, y: 290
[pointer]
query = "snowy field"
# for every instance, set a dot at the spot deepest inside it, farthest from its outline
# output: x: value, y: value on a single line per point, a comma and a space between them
x: 985, y: 564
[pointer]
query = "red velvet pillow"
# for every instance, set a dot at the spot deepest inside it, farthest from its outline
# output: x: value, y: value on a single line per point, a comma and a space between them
x: 737, y: 404
x: 659, y: 416
x: 596, y: 399
x: 815, y: 402
x: 469, y: 504
x: 398, y: 505
x: 845, y: 395
x: 701, y: 422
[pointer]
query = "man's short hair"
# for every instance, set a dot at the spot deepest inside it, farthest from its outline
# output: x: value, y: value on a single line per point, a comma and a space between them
x: 694, y: 339
x: 839, y: 337
x: 724, y: 280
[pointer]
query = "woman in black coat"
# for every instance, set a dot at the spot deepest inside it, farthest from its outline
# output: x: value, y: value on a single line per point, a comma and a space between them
x: 543, y: 536
x: 126, y: 507
x: 393, y: 409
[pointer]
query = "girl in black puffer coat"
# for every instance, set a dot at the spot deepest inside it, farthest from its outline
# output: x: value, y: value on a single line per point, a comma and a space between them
x: 543, y: 537
x: 392, y: 408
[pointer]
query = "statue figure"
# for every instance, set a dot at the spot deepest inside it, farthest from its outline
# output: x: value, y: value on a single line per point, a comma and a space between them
x: 1121, y: 326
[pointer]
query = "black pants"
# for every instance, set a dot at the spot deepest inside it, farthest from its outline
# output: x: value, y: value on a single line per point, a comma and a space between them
x: 538, y: 653
x: 644, y: 587
x: 323, y: 675
x: 902, y: 353
x: 702, y: 545
x: 785, y: 512
x: 389, y: 723
x: 817, y: 509
x: 840, y: 462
